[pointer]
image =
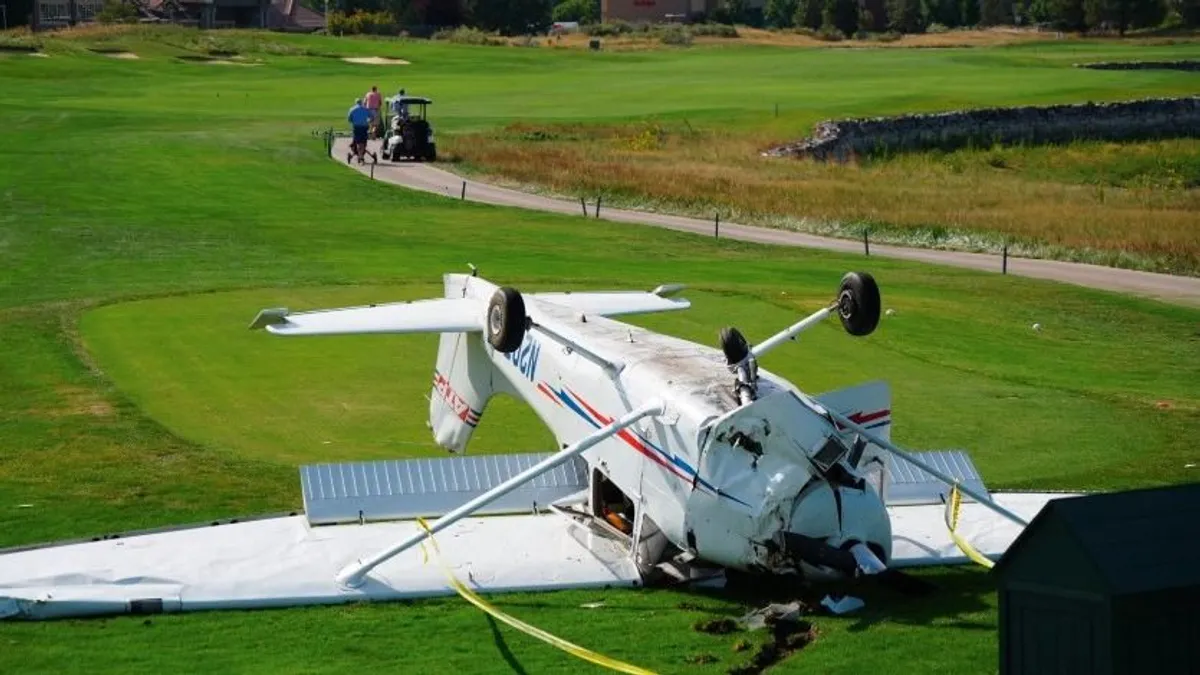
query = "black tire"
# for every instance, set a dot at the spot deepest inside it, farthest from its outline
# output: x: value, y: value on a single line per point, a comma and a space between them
x: 734, y: 344
x: 506, y: 320
x: 859, y: 303
x: 431, y: 154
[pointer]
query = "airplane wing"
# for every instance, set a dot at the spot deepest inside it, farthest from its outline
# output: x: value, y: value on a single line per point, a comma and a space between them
x: 617, y: 303
x: 442, y: 315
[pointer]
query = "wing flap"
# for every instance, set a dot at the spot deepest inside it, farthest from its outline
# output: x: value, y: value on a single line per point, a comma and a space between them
x: 617, y: 303
x: 442, y: 315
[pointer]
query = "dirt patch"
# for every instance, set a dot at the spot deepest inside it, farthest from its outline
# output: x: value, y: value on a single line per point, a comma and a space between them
x: 375, y: 60
x: 78, y: 401
x: 787, y: 637
x: 716, y: 626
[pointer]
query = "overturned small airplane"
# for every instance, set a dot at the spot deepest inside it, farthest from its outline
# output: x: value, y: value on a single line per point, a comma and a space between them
x: 675, y: 460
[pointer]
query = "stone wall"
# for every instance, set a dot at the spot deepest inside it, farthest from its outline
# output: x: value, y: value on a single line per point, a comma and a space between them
x: 1142, y: 65
x: 843, y: 140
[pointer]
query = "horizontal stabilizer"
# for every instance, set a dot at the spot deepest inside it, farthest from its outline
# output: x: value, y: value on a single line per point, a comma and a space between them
x: 909, y: 485
x: 405, y: 489
x: 443, y: 315
x: 617, y: 303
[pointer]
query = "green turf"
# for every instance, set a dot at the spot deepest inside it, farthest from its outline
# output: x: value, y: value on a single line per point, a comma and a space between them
x: 149, y: 208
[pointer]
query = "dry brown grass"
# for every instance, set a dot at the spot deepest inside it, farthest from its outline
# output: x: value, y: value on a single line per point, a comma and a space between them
x: 918, y: 198
x: 989, y: 37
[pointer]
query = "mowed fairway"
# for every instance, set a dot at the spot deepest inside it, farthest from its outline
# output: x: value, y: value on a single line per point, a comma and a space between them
x: 149, y: 208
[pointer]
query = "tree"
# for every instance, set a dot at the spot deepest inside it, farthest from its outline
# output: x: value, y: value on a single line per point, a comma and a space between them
x: 904, y: 16
x: 842, y: 15
x: 1188, y: 11
x: 969, y: 11
x: 1064, y: 15
x: 808, y: 14
x: 583, y: 11
x: 946, y: 12
x: 1123, y: 14
x: 781, y: 13
x: 511, y: 17
x: 995, y: 12
x: 872, y: 15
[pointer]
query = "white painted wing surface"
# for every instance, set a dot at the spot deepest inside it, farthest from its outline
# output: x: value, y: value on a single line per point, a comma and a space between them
x: 614, y: 303
x: 443, y: 315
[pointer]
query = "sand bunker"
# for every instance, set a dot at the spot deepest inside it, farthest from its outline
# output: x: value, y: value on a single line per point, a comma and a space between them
x: 216, y: 61
x: 375, y: 61
x: 40, y: 55
x: 122, y: 55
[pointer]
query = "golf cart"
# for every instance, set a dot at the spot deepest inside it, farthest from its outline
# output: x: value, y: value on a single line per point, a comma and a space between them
x: 410, y: 137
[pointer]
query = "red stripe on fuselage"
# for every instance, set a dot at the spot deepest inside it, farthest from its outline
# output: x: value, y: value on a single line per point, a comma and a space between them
x: 629, y: 438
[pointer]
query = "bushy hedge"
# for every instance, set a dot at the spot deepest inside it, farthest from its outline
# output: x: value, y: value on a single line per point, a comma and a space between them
x: 363, y: 23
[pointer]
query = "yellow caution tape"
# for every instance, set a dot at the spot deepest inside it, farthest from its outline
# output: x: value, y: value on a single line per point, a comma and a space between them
x: 571, y: 648
x: 952, y: 508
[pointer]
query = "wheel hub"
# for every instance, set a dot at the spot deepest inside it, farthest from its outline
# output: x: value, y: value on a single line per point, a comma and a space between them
x: 495, y: 320
x: 846, y: 304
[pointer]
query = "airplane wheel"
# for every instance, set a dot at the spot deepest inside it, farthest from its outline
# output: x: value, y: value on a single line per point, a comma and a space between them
x: 506, y: 320
x: 734, y: 344
x: 858, y: 303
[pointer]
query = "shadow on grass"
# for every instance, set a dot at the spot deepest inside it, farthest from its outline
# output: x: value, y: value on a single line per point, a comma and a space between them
x: 949, y: 596
x: 502, y: 647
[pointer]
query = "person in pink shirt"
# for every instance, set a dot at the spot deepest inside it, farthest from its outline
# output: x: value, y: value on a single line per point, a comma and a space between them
x: 373, y: 101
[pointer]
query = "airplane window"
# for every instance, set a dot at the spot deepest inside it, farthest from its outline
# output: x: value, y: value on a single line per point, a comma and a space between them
x: 830, y: 453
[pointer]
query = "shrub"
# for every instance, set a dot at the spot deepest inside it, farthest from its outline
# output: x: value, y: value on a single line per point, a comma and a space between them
x: 117, y: 11
x: 676, y: 35
x: 830, y: 34
x: 890, y: 36
x: 714, y: 30
x: 465, y: 35
x: 937, y: 28
x: 610, y: 29
x: 362, y: 23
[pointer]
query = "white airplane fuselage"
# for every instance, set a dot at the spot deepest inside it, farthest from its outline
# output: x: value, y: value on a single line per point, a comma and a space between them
x: 717, y: 477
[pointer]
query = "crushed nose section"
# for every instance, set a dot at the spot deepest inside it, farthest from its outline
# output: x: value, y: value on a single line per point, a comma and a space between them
x: 839, y: 531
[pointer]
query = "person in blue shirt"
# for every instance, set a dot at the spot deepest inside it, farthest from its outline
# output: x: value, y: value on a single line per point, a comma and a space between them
x: 360, y: 121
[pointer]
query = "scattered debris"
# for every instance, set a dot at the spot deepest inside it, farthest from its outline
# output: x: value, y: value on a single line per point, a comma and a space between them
x: 1189, y: 465
x: 771, y: 614
x: 716, y: 626
x: 843, y: 605
x: 1037, y: 327
x: 700, y: 659
x: 890, y: 312
x: 592, y: 605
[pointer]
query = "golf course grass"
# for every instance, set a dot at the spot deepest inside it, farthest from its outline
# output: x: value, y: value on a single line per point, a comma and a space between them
x: 149, y: 208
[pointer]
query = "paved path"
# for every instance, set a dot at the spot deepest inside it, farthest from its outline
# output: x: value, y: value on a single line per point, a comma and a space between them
x: 429, y: 178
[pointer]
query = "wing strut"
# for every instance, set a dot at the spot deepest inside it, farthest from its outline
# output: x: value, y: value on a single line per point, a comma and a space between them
x: 890, y: 447
x: 353, y: 576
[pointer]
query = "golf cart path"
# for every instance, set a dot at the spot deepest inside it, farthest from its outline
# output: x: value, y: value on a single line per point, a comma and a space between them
x: 1169, y: 288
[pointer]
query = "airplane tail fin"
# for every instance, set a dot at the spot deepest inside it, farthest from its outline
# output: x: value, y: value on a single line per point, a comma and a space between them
x: 463, y: 376
x: 868, y: 405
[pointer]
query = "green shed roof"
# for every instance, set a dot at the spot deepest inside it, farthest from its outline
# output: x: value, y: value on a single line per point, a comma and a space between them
x: 1138, y: 540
